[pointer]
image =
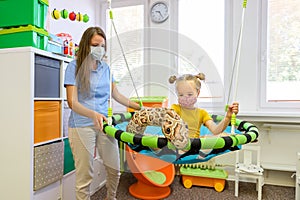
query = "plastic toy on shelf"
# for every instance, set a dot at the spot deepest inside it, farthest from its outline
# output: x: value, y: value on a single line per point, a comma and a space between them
x: 68, y: 44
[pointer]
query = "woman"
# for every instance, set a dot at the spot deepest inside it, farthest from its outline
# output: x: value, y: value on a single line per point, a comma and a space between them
x: 87, y: 81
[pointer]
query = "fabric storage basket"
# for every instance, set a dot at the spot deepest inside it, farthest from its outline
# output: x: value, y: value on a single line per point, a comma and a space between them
x: 46, y: 120
x: 23, y: 12
x: 66, y: 115
x: 24, y: 36
x: 48, y: 164
x: 68, y: 157
x: 46, y: 77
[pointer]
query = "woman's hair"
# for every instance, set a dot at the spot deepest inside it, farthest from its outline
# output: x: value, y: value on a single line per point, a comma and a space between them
x: 188, y: 77
x: 84, y: 60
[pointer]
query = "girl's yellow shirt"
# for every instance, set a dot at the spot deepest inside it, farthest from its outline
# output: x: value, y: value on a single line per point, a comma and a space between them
x: 193, y: 117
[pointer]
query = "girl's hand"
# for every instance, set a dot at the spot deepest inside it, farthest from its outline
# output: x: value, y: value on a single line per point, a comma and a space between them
x: 98, y: 121
x: 233, y: 108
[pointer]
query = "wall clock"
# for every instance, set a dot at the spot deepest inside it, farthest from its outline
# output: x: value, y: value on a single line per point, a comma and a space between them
x: 159, y: 12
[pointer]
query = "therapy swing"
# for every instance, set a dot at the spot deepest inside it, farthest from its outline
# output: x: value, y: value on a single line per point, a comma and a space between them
x: 246, y: 133
x: 141, y: 163
x: 155, y: 173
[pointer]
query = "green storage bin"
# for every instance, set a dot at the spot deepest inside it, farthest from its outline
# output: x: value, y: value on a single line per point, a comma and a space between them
x: 68, y: 157
x: 23, y: 12
x: 24, y: 36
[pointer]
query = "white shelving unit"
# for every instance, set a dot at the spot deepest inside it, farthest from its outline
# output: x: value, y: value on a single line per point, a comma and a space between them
x: 297, y: 192
x: 18, y: 97
x: 17, y: 122
x: 18, y: 86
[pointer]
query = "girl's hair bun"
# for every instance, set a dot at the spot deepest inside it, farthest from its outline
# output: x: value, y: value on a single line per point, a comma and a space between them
x: 201, y: 76
x: 172, y: 79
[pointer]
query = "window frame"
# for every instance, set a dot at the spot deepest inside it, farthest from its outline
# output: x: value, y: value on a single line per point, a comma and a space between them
x: 286, y: 106
x: 115, y: 4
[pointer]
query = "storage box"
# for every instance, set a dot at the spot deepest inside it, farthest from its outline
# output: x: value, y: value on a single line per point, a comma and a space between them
x: 46, y: 120
x: 56, y: 39
x: 55, y: 44
x: 151, y: 101
x: 68, y: 157
x: 23, y: 12
x: 54, y: 47
x: 66, y: 115
x: 23, y: 36
x: 46, y: 77
x: 48, y: 164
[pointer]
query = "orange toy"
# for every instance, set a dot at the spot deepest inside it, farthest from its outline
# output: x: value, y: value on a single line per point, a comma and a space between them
x: 203, y: 177
x: 153, y: 176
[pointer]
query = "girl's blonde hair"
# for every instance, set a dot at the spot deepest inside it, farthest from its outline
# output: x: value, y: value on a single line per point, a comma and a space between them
x: 84, y: 60
x: 188, y: 77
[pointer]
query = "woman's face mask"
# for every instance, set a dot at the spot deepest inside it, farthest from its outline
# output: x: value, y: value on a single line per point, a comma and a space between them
x: 97, y: 52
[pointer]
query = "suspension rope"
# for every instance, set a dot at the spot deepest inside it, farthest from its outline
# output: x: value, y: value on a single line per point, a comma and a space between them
x: 235, y: 69
x: 122, y: 50
x: 110, y: 110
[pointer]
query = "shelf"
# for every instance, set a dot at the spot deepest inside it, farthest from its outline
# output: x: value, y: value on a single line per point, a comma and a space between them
x: 47, y: 142
x: 35, y: 51
x: 279, y: 167
x: 19, y: 84
x: 48, y: 99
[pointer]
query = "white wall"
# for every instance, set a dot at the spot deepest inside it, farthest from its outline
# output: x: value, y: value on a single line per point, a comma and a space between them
x: 74, y: 28
x: 279, y: 146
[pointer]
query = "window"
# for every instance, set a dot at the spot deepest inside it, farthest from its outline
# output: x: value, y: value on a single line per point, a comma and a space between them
x: 281, y: 53
x: 125, y: 41
x: 129, y: 25
x: 201, y: 45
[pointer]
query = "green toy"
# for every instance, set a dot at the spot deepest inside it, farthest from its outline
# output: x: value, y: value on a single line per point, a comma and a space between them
x: 203, y: 177
x: 64, y: 14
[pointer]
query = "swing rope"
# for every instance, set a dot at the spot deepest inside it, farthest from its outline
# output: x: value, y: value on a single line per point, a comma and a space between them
x: 128, y: 137
x: 235, y: 69
x: 110, y: 110
x: 123, y: 53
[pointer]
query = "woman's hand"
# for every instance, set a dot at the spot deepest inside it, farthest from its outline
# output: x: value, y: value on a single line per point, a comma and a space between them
x: 98, y: 121
x: 233, y: 108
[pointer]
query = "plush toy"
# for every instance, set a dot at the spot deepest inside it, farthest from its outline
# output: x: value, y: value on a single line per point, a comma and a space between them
x: 173, y: 127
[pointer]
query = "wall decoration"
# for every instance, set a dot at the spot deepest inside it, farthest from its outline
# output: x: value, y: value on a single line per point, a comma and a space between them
x: 79, y: 16
x: 55, y: 14
x: 72, y: 16
x: 64, y: 13
x: 86, y: 18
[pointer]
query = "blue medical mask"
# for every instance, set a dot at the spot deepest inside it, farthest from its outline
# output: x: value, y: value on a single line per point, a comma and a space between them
x: 97, y: 52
